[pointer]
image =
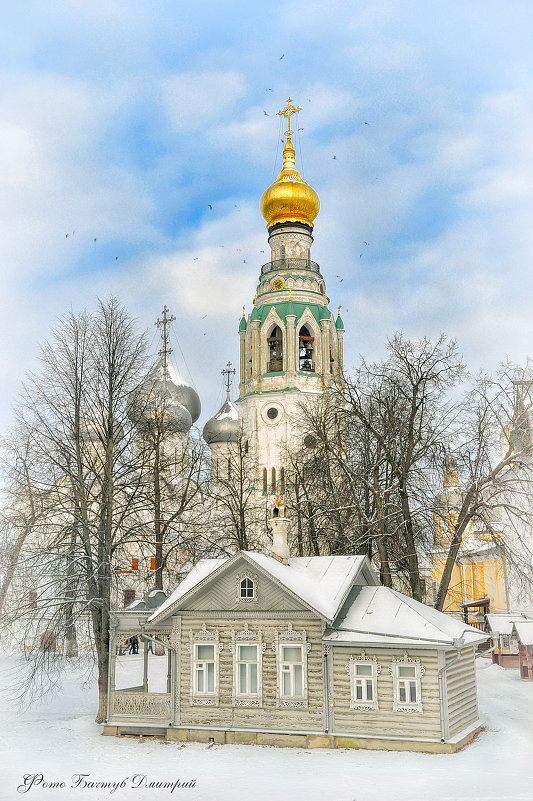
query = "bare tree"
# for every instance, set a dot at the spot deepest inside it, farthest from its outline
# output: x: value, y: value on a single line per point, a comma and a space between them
x: 83, y: 461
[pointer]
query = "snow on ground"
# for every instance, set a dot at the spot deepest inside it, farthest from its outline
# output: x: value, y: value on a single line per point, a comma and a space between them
x: 58, y: 738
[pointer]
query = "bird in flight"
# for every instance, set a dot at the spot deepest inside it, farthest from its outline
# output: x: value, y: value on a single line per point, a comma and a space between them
x: 196, y: 259
x: 66, y: 236
x: 335, y: 157
x: 205, y: 315
x: 283, y: 56
x: 210, y: 206
x: 94, y: 240
x: 265, y: 113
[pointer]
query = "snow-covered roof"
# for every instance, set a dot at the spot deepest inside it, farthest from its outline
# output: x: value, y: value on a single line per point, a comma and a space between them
x: 197, y: 574
x: 380, y: 614
x: 321, y: 582
x: 524, y: 629
x: 503, y: 624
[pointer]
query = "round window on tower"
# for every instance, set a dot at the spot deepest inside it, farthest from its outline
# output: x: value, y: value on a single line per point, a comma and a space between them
x: 272, y: 413
x: 310, y: 441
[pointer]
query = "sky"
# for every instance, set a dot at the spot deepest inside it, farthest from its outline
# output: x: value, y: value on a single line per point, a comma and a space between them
x: 136, y: 140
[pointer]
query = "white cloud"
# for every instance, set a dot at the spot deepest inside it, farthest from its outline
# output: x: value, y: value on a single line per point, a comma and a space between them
x: 193, y: 100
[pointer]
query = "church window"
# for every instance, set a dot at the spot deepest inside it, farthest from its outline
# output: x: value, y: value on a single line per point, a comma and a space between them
x: 364, y: 672
x: 273, y: 485
x: 272, y: 413
x: 275, y: 350
x: 204, y: 669
x: 265, y: 481
x: 305, y: 350
x: 247, y: 588
x: 129, y: 596
x: 282, y: 480
x: 246, y: 448
x: 407, y: 684
x: 247, y: 670
x: 331, y: 361
x: 32, y: 598
x: 283, y: 252
x: 310, y: 441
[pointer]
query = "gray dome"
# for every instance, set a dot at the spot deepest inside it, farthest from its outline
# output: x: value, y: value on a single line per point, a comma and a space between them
x: 224, y: 426
x: 165, y: 395
x: 160, y: 409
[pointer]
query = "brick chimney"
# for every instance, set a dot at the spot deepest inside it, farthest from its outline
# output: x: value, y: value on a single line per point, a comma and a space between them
x: 280, y: 535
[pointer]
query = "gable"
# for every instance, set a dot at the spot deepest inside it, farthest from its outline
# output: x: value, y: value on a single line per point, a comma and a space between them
x: 221, y: 593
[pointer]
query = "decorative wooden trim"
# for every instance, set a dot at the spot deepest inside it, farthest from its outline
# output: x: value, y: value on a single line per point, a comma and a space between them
x: 247, y: 637
x: 247, y: 574
x: 291, y: 637
x: 205, y: 637
x: 358, y: 659
x: 402, y: 706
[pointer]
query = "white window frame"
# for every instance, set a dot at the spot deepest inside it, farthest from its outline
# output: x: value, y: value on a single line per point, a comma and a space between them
x: 291, y: 639
x: 247, y: 599
x: 363, y: 704
x: 247, y: 637
x: 397, y: 680
x: 246, y: 596
x: 204, y: 637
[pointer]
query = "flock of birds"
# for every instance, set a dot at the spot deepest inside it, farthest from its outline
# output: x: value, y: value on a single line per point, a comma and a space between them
x: 339, y: 278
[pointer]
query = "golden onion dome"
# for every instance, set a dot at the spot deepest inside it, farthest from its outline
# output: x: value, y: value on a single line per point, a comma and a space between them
x: 289, y: 198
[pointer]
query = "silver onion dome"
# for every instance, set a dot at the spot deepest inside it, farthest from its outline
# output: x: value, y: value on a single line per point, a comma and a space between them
x: 164, y: 397
x: 223, y: 426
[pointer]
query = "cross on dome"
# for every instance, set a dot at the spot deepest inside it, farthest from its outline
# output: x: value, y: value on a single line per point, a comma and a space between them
x: 288, y: 111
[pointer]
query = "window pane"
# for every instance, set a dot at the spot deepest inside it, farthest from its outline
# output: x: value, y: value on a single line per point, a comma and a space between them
x: 285, y: 683
x: 406, y: 671
x: 412, y: 692
x: 369, y: 691
x: 205, y: 652
x: 200, y: 680
x: 298, y: 683
x: 402, y: 693
x: 363, y: 670
x: 248, y: 652
x: 292, y: 653
x: 253, y: 679
x: 242, y: 679
x: 210, y: 677
x: 358, y: 692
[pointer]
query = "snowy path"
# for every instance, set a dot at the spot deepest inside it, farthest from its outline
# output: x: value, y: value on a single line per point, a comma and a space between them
x: 59, y: 738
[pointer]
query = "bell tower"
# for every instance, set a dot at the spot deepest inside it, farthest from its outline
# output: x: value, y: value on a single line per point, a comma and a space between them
x: 291, y: 345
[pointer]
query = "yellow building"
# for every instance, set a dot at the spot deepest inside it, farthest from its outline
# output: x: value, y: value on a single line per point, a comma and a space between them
x: 480, y: 571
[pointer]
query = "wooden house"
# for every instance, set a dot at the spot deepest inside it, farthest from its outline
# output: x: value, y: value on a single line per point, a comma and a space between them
x: 308, y: 651
x: 523, y: 632
x: 505, y: 648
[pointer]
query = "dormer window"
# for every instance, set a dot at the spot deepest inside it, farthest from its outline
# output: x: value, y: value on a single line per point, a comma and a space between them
x: 247, y: 589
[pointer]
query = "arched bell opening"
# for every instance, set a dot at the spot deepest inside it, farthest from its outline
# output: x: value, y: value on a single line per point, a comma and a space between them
x: 306, y: 346
x: 275, y: 350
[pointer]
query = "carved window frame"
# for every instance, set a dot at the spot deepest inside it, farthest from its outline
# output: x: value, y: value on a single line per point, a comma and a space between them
x: 394, y: 670
x: 289, y: 637
x: 252, y: 600
x: 363, y: 705
x: 247, y: 637
x: 204, y: 637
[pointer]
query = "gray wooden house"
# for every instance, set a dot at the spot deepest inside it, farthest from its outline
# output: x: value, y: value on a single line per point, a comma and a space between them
x: 308, y: 651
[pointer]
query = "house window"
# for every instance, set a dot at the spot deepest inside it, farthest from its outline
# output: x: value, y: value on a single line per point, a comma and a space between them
x: 247, y: 670
x: 204, y: 669
x: 407, y: 684
x: 363, y: 672
x: 247, y: 588
x: 134, y: 564
x: 32, y: 598
x: 292, y: 671
x: 129, y: 597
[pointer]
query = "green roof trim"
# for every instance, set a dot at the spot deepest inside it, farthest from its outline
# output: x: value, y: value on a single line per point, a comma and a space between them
x: 339, y: 325
x: 319, y: 312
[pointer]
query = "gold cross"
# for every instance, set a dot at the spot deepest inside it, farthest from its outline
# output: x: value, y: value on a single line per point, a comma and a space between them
x: 339, y: 309
x: 288, y: 112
